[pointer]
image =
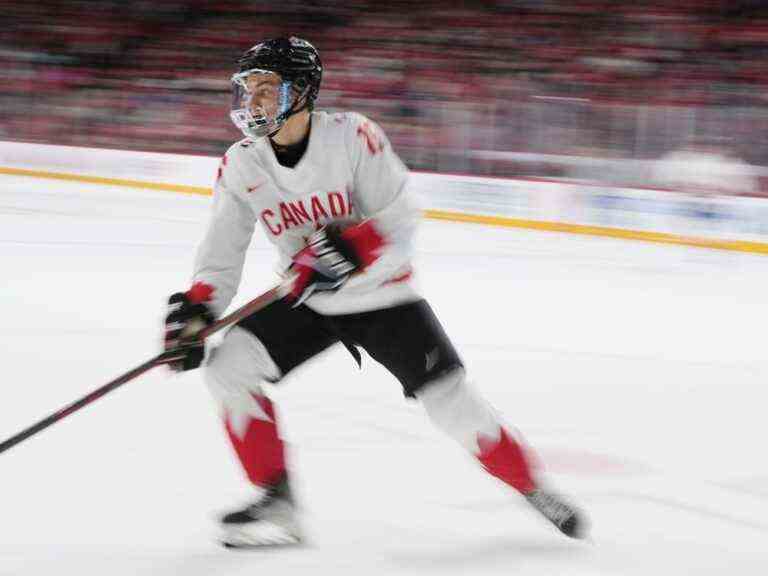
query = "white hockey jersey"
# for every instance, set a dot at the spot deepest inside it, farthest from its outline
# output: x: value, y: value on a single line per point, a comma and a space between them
x: 348, y: 173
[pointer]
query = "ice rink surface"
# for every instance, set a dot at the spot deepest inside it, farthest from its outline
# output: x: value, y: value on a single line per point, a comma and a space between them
x: 638, y: 373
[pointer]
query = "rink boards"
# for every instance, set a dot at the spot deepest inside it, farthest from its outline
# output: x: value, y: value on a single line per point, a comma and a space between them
x: 722, y: 222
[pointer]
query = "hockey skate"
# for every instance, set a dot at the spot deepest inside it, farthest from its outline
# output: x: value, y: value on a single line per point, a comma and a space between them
x: 565, y: 517
x: 267, y: 522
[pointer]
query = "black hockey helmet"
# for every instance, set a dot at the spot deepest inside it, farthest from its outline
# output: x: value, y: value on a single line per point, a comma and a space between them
x: 298, y: 65
x: 296, y: 60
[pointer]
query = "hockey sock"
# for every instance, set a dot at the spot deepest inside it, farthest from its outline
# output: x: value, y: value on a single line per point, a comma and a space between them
x: 505, y: 458
x: 258, y: 445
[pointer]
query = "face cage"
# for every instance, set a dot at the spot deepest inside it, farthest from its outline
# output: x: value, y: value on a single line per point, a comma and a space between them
x: 258, y: 123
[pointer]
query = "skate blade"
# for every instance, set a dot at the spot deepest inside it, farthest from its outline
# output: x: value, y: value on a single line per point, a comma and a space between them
x: 265, y: 535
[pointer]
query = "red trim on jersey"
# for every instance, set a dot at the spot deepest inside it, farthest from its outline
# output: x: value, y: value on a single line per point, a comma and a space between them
x: 401, y: 278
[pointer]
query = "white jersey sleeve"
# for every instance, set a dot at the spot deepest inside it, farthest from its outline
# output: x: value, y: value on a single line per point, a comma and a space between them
x: 380, y: 193
x: 221, y: 255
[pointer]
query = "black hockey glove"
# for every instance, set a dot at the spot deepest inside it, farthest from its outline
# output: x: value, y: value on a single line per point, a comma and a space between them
x: 188, y: 314
x: 331, y: 256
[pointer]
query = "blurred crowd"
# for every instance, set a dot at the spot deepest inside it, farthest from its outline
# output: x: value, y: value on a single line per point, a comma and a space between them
x: 506, y: 88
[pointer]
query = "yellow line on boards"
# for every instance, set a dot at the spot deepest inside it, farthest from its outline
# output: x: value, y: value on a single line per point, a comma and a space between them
x: 107, y: 181
x: 662, y: 237
x: 659, y: 237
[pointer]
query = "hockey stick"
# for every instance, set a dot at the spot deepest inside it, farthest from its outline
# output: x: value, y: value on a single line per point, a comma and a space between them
x: 163, y: 358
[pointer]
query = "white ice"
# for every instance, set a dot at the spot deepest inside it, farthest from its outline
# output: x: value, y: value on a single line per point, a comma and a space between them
x: 638, y: 373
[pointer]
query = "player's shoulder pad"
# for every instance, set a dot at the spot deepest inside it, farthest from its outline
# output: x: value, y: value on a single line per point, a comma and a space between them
x: 365, y: 132
x: 346, y: 118
x: 349, y: 120
x: 243, y: 147
x: 232, y: 163
x: 245, y: 150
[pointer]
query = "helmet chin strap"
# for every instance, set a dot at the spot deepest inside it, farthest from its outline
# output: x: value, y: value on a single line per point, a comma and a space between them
x: 293, y: 110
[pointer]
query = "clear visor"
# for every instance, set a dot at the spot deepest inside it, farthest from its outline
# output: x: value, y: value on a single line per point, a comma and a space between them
x: 260, y: 102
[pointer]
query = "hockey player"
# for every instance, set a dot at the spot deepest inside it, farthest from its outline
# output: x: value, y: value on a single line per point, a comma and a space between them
x: 331, y: 195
